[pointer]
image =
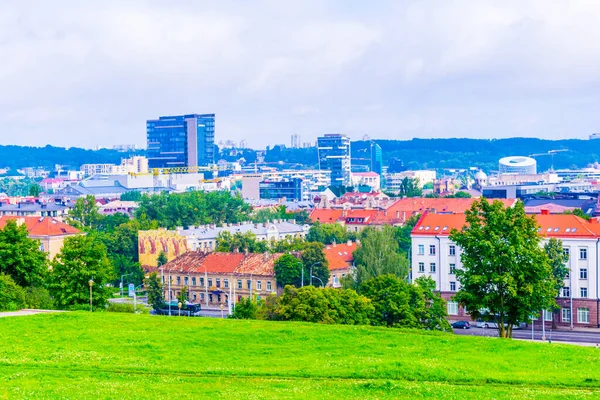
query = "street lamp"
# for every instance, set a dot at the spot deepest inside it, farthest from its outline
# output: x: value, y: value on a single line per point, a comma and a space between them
x: 122, y: 276
x: 311, y: 269
x: 316, y: 277
x: 179, y: 305
x: 91, y: 283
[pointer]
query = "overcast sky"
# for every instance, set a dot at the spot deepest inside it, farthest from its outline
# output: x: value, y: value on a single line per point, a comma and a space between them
x: 82, y: 73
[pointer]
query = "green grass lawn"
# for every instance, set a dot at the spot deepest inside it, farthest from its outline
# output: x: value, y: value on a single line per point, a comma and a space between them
x: 112, y: 355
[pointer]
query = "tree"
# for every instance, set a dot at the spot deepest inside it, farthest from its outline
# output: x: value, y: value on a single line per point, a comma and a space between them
x: 123, y: 265
x: 409, y: 187
x: 558, y: 258
x: 402, y: 233
x: 85, y: 214
x: 183, y: 295
x: 328, y: 233
x: 226, y: 242
x: 81, y: 258
x: 459, y: 195
x: 245, y: 308
x: 161, y: 259
x: 12, y: 296
x: 155, y: 291
x: 506, y: 275
x: 288, y: 271
x: 578, y: 212
x: 21, y: 257
x: 428, y: 186
x: 436, y: 310
x: 313, y: 260
x: 35, y: 190
x: 377, y: 255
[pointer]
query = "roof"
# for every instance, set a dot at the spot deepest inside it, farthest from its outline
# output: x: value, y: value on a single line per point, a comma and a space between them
x: 208, y: 232
x: 370, y: 173
x: 551, y: 208
x: 223, y: 263
x: 551, y: 225
x: 324, y: 215
x: 41, y: 226
x: 339, y: 256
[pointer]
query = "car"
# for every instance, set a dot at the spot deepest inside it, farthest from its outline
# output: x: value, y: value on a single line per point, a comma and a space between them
x: 489, y: 324
x: 461, y: 325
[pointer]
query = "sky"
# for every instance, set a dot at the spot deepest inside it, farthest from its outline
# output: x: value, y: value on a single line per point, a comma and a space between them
x: 87, y: 74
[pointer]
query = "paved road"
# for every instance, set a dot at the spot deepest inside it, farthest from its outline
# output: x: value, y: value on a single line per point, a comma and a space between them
x: 592, y: 337
x: 23, y: 313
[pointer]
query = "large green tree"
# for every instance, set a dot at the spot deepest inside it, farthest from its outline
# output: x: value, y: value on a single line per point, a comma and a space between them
x: 12, y: 296
x: 328, y: 233
x: 154, y: 287
x: 506, y: 274
x: 21, y: 257
x: 377, y: 255
x: 288, y: 271
x: 85, y: 214
x: 314, y: 261
x: 81, y: 258
x: 558, y: 259
x: 402, y: 233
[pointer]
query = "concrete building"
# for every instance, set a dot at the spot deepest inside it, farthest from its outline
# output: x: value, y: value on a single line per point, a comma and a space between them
x: 334, y: 156
x: 517, y: 165
x: 394, y: 180
x: 132, y: 165
x: 371, y: 179
x: 434, y: 255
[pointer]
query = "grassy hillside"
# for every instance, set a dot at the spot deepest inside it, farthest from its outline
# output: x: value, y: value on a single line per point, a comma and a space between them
x: 104, y: 355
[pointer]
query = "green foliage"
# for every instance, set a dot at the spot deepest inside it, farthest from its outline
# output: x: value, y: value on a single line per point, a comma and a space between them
x: 226, y: 242
x: 34, y: 190
x: 402, y: 233
x: 183, y: 295
x: 377, y: 255
x: 84, y: 214
x: 133, y: 195
x: 120, y: 307
x: 320, y: 305
x: 436, y: 307
x: 21, y: 257
x: 130, y: 270
x: 329, y: 234
x: 12, y: 296
x: 246, y: 308
x: 459, y: 195
x: 81, y: 258
x: 558, y: 260
x: 313, y: 260
x: 16, y: 187
x: 193, y: 208
x: 288, y: 271
x: 38, y: 298
x: 428, y: 186
x: 505, y: 271
x: 410, y: 188
x: 155, y: 291
x: 162, y: 259
x: 280, y: 212
x: 578, y: 212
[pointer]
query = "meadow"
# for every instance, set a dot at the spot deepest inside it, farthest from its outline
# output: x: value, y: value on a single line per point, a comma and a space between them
x: 113, y: 355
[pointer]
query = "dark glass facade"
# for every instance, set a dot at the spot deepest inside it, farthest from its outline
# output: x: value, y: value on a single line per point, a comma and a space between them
x: 181, y: 141
x: 376, y: 158
x: 334, y: 156
x: 274, y: 190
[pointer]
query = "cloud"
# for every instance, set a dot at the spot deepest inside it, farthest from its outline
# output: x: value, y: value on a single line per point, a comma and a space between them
x: 91, y: 73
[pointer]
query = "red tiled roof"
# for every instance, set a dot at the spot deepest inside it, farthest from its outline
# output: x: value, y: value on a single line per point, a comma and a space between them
x: 325, y: 215
x: 340, y: 256
x: 366, y: 216
x: 364, y: 195
x: 41, y: 226
x: 225, y: 263
x: 551, y: 225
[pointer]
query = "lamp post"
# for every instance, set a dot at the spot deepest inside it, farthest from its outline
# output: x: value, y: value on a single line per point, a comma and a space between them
x: 316, y: 277
x: 205, y: 286
x: 179, y: 305
x: 91, y: 283
x: 311, y: 270
x: 122, y: 276
x: 134, y: 299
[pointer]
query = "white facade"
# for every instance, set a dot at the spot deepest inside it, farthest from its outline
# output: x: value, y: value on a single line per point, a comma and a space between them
x: 517, y: 165
x: 394, y: 180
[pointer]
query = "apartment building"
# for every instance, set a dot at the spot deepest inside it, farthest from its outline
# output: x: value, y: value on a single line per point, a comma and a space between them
x: 340, y: 260
x: 434, y: 255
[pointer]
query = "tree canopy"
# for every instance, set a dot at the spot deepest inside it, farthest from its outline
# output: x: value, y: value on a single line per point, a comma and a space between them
x: 21, y: 257
x: 288, y: 271
x: 313, y: 260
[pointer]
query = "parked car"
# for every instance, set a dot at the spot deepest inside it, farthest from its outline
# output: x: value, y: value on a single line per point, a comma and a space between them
x: 489, y: 324
x: 461, y: 325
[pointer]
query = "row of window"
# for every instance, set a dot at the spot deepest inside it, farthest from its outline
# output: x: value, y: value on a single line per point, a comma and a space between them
x: 566, y: 292
x: 240, y: 284
x: 583, y: 314
x: 452, y: 251
x: 432, y: 268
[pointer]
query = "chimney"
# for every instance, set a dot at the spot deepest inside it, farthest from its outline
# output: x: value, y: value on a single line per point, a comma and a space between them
x: 344, y: 213
x: 349, y: 243
x: 545, y: 211
x: 403, y: 215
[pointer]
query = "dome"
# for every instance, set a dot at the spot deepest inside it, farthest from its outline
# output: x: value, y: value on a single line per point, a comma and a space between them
x: 480, y: 176
x: 517, y: 165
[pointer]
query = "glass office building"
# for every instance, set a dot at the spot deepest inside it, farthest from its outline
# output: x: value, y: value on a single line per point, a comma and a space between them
x: 181, y: 141
x: 334, y: 156
x: 274, y: 190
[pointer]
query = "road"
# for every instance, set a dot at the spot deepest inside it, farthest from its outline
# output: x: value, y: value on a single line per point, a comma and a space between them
x: 592, y: 337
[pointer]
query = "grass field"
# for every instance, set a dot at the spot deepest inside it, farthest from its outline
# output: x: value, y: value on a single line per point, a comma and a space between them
x: 112, y: 355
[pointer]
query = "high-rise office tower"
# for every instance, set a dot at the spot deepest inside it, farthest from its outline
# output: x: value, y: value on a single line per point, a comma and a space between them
x: 376, y: 158
x: 334, y: 156
x: 181, y: 141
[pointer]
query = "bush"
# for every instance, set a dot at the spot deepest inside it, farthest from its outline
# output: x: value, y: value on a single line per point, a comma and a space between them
x: 246, y: 308
x: 38, y: 298
x: 12, y: 296
x: 126, y: 308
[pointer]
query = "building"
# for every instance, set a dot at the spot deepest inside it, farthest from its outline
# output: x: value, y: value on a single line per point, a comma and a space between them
x: 295, y: 142
x: 594, y: 136
x: 340, y: 260
x: 181, y: 141
x: 370, y: 179
x: 311, y: 180
x: 517, y: 165
x: 173, y: 243
x: 334, y: 156
x: 376, y: 158
x: 282, y: 189
x: 219, y: 279
x: 393, y: 181
x: 251, y: 186
x: 133, y: 165
x: 34, y: 209
x: 50, y: 232
x: 434, y: 255
x: 117, y: 206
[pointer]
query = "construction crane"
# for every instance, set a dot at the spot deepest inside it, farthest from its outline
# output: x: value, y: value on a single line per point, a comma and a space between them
x: 174, y: 170
x: 550, y: 153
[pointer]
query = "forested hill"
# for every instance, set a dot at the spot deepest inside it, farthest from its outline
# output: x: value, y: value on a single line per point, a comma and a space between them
x: 21, y: 156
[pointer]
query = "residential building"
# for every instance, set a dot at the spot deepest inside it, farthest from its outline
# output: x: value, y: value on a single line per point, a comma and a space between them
x: 173, y: 243
x: 370, y: 179
x: 50, y: 232
x: 436, y: 256
x: 340, y: 261
x: 181, y: 141
x: 334, y: 156
x: 393, y: 181
x: 31, y: 208
x: 281, y: 189
x: 117, y: 206
x: 219, y: 279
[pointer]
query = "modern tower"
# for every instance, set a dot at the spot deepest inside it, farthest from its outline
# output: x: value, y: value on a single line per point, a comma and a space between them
x: 334, y: 156
x: 181, y: 141
x: 376, y: 158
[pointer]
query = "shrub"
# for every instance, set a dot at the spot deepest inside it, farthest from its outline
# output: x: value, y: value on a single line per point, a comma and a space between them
x: 39, y: 298
x: 12, y: 296
x: 246, y: 308
x: 127, y: 308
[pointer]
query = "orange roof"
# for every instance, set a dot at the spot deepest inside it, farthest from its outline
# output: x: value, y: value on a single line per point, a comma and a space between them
x: 41, y: 226
x: 222, y: 263
x: 325, y: 215
x: 364, y: 217
x: 340, y: 256
x: 551, y: 225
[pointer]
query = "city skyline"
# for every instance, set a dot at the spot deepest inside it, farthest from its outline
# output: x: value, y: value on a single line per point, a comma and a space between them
x: 90, y: 75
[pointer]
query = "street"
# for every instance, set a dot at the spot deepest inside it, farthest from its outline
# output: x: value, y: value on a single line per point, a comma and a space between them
x: 562, y: 335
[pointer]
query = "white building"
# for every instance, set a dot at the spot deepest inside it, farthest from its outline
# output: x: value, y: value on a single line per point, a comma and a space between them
x: 370, y: 179
x: 517, y: 165
x: 132, y: 165
x: 434, y: 255
x: 394, y: 180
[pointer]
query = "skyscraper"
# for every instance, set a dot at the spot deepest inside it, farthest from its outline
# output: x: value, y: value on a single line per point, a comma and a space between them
x: 376, y: 158
x: 334, y: 156
x: 181, y: 141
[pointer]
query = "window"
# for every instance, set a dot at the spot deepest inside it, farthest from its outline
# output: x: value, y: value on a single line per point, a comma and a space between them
x: 186, y: 281
x: 565, y: 314
x: 226, y: 283
x: 210, y: 298
x: 583, y: 273
x: 209, y: 282
x: 567, y: 252
x: 432, y: 267
x: 194, y: 281
x: 583, y: 315
x: 269, y: 288
x: 41, y: 246
x: 201, y: 296
x: 239, y: 284
x: 583, y: 292
x: 179, y: 280
x: 421, y: 267
x: 452, y: 269
x: 258, y: 285
x: 201, y: 281
x: 218, y: 298
x: 566, y: 291
x: 249, y: 284
x: 453, y: 286
x: 218, y: 282
x: 452, y: 308
x: 163, y: 279
x: 452, y: 250
x: 583, y: 253
x: 547, y: 315
x: 432, y: 250
x: 421, y: 249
